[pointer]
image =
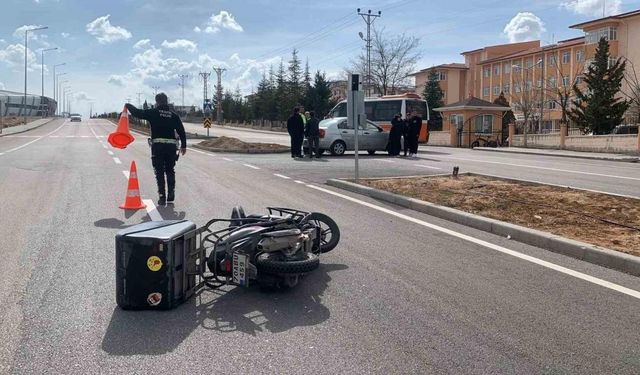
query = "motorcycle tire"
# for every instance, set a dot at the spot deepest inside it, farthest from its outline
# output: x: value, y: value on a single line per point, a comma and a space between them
x: 328, y: 227
x: 273, y: 265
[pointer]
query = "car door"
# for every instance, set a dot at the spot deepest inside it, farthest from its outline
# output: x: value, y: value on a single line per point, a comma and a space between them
x: 346, y: 134
x: 375, y: 139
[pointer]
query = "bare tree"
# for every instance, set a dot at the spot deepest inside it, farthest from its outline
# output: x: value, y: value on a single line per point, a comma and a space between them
x: 525, y: 98
x: 392, y: 60
x: 631, y: 90
x: 560, y: 87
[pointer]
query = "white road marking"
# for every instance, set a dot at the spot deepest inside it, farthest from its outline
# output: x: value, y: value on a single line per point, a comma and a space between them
x: 282, y: 176
x: 227, y: 159
x: 543, y: 168
x: 152, y: 211
x: 126, y: 174
x: 84, y: 136
x: 528, y: 258
x: 35, y: 140
x: 105, y: 147
x: 384, y: 160
x: 110, y: 153
x: 427, y: 166
x: 70, y: 136
x: 94, y: 132
x: 21, y: 136
x: 117, y: 160
x: 54, y: 136
x: 251, y: 166
x: 299, y: 182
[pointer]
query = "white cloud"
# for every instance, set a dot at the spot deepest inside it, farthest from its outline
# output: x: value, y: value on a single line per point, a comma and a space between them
x: 105, y: 32
x: 117, y: 80
x: 82, y: 96
x: 142, y: 43
x: 222, y: 20
x: 34, y: 35
x: 524, y: 26
x: 65, y: 35
x: 185, y: 44
x: 13, y: 56
x: 2, y: 86
x: 593, y: 8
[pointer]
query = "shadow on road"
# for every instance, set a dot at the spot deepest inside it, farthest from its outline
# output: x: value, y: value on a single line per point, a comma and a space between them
x: 169, y: 212
x: 230, y: 309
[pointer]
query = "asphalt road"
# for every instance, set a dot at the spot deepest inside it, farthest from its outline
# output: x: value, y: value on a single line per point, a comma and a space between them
x: 402, y: 293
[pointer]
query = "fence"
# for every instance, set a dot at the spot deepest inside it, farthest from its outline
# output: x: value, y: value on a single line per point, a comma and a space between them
x: 439, y: 138
x: 628, y: 144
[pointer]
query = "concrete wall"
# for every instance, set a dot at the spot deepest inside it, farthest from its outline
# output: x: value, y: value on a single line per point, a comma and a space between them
x: 439, y: 138
x: 627, y: 144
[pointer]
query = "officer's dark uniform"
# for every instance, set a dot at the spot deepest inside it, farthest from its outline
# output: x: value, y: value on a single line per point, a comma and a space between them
x: 164, y: 125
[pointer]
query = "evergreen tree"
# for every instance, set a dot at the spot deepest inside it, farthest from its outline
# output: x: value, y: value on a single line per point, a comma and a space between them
x: 294, y: 94
x: 434, y: 96
x: 507, y: 117
x: 307, y: 87
x: 282, y: 105
x: 321, y: 102
x: 597, y: 109
x: 145, y: 105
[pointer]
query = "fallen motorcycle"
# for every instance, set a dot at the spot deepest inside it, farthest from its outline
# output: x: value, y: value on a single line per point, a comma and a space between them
x: 161, y: 264
x: 273, y: 250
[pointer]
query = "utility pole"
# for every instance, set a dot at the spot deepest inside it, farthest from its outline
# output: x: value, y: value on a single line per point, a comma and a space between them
x: 219, y: 72
x: 369, y: 18
x: 205, y: 84
x: 181, y: 84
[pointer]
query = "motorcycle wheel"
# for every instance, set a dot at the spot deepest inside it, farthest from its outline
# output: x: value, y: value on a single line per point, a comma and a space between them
x: 273, y: 264
x: 329, y: 231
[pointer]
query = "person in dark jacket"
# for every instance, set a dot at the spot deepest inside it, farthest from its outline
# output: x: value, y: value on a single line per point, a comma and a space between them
x: 413, y: 131
x: 164, y: 126
x: 395, y: 135
x: 405, y: 135
x: 312, y: 132
x: 295, y: 128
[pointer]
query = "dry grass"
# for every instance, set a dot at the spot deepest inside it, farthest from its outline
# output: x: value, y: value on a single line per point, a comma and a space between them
x: 595, y: 218
x: 229, y: 143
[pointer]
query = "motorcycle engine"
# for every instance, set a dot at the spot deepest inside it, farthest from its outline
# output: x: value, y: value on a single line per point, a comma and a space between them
x: 288, y: 241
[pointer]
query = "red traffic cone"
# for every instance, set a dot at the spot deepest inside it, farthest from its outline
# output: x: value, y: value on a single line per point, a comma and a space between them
x: 133, y: 201
x: 121, y: 138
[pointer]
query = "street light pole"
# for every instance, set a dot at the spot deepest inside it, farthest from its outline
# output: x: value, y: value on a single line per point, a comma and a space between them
x: 26, y: 32
x: 55, y: 85
x: 42, y: 66
x: 58, y: 92
x: 369, y: 18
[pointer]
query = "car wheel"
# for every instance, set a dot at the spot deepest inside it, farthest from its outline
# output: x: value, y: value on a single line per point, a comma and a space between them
x: 338, y: 148
x: 371, y: 152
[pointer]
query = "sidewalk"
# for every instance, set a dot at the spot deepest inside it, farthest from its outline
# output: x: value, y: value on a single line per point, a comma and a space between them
x: 23, y: 128
x: 563, y: 153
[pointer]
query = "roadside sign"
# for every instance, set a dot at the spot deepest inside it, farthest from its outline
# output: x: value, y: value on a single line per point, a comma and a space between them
x: 207, y: 123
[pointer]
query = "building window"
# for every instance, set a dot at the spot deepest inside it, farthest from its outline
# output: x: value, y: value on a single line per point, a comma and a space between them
x: 579, y: 55
x: 551, y: 104
x: 486, y: 91
x: 566, y: 81
x: 496, y: 70
x: 507, y: 89
x: 566, y: 57
x: 608, y: 33
x: 507, y: 68
x: 551, y: 60
x: 528, y: 86
x: 496, y: 90
x: 487, y: 72
x: 612, y: 61
x: 516, y: 87
x: 517, y: 66
x: 553, y: 82
x: 442, y: 76
x: 529, y: 63
x: 579, y: 80
x: 539, y: 83
x: 484, y: 124
x: 457, y: 121
x: 444, y: 95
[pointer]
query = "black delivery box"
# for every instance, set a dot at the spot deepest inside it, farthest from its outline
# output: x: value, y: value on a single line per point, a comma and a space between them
x: 156, y: 264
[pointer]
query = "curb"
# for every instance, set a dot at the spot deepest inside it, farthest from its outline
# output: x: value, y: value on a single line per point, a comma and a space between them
x: 24, y: 131
x: 622, y: 159
x: 576, y: 249
x: 240, y: 151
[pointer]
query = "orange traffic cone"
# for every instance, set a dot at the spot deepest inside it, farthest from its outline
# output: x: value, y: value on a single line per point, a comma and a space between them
x: 133, y: 200
x: 121, y: 138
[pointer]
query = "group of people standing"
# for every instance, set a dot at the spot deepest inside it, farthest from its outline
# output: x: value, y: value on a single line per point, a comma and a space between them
x: 303, y: 124
x: 407, y: 129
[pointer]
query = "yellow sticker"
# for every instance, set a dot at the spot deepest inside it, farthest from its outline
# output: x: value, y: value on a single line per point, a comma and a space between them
x: 154, y: 263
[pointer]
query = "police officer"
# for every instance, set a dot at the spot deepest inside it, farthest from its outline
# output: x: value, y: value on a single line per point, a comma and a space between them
x: 164, y: 125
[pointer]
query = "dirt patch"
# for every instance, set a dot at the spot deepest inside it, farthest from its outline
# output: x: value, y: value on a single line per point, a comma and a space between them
x: 230, y: 144
x: 605, y: 220
x: 8, y: 122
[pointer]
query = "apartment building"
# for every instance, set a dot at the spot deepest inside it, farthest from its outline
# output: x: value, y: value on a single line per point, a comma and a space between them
x: 530, y: 74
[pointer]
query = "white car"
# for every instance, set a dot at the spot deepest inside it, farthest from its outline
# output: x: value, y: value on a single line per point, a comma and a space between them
x: 337, y: 137
x: 75, y: 117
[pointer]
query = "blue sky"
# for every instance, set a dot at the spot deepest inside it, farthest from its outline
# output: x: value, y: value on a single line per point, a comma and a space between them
x: 118, y: 48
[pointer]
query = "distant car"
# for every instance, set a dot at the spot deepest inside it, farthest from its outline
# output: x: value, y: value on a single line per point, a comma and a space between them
x: 337, y: 138
x: 625, y: 129
x: 75, y: 117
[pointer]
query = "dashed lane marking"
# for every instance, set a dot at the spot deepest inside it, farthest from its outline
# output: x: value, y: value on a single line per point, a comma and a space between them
x: 251, y: 166
x: 110, y: 153
x: 299, y: 182
x: 504, y: 250
x: 384, y: 160
x: 427, y: 166
x: 227, y: 159
x: 126, y: 174
x: 117, y: 160
x: 152, y: 211
x: 282, y: 176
